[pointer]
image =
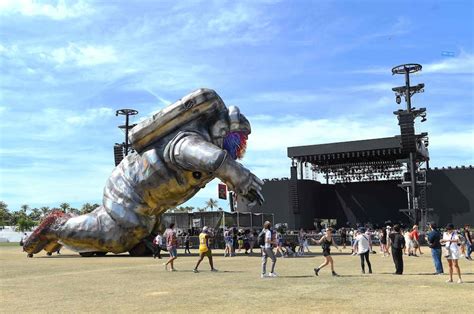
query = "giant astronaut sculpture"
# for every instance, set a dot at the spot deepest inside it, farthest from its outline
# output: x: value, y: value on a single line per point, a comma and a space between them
x: 178, y: 151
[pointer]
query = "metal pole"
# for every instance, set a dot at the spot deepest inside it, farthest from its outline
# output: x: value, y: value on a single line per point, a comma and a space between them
x: 412, y: 155
x: 126, y: 135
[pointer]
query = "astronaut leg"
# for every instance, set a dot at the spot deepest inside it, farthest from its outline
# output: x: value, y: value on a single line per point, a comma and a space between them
x: 93, y: 232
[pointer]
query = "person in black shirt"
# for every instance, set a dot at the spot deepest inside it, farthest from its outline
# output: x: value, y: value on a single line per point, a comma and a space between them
x: 398, y: 243
x: 433, y: 237
x: 468, y: 237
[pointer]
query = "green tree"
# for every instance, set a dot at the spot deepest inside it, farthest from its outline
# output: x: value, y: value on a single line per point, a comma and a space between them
x: 45, y: 210
x: 87, y: 208
x: 35, y: 214
x: 65, y: 207
x: 5, y: 215
x: 25, y: 224
x: 211, y: 203
x: 24, y: 209
x: 184, y: 209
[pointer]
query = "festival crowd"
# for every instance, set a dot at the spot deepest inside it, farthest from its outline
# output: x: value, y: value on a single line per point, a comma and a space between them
x: 395, y: 240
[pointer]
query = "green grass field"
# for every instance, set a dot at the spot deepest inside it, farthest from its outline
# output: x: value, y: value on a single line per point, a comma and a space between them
x: 120, y: 283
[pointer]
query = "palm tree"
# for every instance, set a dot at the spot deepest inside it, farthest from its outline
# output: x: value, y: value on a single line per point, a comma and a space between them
x: 64, y: 207
x: 211, y: 203
x: 24, y: 208
x: 44, y: 210
x: 35, y: 214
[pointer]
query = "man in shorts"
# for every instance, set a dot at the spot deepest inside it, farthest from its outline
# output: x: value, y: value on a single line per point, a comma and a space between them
x: 204, y: 249
x: 172, y: 246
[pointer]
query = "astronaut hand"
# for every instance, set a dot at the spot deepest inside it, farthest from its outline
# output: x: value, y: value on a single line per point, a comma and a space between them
x: 254, y: 194
x: 240, y: 180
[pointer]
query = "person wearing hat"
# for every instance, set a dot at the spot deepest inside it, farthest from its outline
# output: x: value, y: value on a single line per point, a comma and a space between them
x: 267, y: 250
x: 450, y: 240
x: 204, y: 249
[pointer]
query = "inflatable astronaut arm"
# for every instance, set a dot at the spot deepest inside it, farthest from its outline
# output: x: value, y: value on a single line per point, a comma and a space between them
x: 194, y: 153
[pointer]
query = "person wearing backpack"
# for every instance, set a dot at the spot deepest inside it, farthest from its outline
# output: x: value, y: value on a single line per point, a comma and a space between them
x: 265, y: 241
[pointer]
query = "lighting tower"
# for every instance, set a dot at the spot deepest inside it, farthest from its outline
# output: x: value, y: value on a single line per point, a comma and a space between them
x: 121, y: 150
x: 414, y: 146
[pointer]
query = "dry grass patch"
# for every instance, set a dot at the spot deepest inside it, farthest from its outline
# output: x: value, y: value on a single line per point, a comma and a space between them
x: 120, y: 283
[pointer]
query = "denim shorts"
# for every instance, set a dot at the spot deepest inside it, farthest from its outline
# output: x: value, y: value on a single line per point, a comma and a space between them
x: 173, y: 251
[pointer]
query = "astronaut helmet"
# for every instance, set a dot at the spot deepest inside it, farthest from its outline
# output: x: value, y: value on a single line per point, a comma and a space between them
x: 235, y: 142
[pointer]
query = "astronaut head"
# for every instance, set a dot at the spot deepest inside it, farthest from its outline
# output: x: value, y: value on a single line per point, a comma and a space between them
x: 235, y: 142
x: 220, y: 128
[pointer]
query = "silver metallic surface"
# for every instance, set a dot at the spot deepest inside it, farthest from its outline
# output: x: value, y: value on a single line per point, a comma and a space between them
x: 179, y: 152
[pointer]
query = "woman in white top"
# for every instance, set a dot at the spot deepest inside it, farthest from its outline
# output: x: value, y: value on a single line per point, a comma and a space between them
x: 364, y: 247
x: 450, y: 240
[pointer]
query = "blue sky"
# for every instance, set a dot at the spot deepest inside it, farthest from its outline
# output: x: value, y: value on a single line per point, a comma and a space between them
x: 303, y: 72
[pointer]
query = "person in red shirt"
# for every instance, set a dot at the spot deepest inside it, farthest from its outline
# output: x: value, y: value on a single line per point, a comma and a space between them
x: 415, y: 235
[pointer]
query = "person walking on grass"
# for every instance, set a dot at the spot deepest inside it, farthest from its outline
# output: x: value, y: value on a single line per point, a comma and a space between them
x: 205, y: 249
x: 434, y: 238
x: 398, y: 244
x: 265, y: 240
x: 468, y: 237
x: 364, y: 247
x: 415, y: 235
x: 450, y: 240
x: 326, y: 241
x: 186, y: 244
x: 172, y: 246
x: 157, y: 243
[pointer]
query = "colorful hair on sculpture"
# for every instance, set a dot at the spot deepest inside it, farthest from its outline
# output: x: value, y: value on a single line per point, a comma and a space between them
x: 236, y: 143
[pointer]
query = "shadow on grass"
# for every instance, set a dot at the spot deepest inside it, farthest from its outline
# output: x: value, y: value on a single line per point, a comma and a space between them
x: 298, y: 276
x: 426, y: 274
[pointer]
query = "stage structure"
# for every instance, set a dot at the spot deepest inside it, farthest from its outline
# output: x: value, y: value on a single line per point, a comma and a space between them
x: 123, y: 149
x: 414, y: 183
x: 399, y: 158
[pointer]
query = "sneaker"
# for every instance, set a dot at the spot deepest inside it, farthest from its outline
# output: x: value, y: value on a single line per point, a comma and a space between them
x: 214, y: 270
x: 370, y: 271
x: 363, y: 272
x: 195, y: 271
x: 316, y: 271
x: 272, y: 275
x: 173, y: 269
x: 334, y: 274
x: 449, y: 281
x: 263, y: 276
x: 459, y: 281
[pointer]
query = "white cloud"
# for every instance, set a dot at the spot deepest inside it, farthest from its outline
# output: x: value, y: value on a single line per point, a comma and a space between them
x: 89, y: 116
x: 84, y: 55
x: 463, y: 64
x: 60, y: 11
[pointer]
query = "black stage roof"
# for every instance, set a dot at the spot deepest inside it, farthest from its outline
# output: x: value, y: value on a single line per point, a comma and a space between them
x: 387, y: 149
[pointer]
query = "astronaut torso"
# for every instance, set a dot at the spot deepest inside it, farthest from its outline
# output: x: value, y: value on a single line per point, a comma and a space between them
x: 149, y: 183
